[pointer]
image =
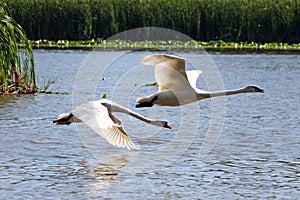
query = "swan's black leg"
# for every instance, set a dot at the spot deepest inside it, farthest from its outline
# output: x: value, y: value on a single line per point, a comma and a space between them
x: 144, y: 104
x: 147, y: 104
x: 63, y: 120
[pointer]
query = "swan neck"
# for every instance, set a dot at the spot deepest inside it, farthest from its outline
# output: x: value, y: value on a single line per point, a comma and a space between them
x: 140, y: 117
x: 119, y: 108
x: 225, y: 92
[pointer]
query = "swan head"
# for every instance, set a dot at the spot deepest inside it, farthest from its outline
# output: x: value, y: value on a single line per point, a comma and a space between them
x: 164, y: 124
x: 253, y: 88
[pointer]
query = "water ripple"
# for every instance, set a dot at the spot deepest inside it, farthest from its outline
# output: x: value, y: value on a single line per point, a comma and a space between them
x: 256, y: 157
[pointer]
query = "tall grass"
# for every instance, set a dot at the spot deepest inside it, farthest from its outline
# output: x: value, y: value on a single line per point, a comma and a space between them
x: 16, y: 66
x: 228, y: 20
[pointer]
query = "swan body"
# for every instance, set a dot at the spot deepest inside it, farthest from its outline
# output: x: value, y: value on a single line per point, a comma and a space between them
x: 178, y: 86
x: 98, y: 115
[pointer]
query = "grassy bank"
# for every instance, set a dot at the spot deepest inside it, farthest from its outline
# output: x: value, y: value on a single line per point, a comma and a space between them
x: 261, y: 21
x: 121, y: 44
x: 17, y: 73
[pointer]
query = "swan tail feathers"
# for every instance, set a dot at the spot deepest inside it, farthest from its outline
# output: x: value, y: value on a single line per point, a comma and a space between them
x: 143, y: 99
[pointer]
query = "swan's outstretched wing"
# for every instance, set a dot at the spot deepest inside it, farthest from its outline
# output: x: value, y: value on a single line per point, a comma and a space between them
x: 97, y: 117
x: 193, y: 76
x: 170, y: 71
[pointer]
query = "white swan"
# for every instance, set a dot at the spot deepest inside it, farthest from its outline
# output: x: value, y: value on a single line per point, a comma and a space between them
x: 178, y: 86
x: 98, y: 116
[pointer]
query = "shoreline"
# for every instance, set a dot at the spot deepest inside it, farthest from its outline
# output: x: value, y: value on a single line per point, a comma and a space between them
x: 218, y: 45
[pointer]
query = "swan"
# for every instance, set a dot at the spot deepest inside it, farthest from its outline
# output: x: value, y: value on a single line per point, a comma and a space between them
x: 98, y: 116
x: 178, y: 86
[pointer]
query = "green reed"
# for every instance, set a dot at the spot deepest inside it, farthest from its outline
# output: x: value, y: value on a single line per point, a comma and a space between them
x: 16, y: 65
x: 205, y: 20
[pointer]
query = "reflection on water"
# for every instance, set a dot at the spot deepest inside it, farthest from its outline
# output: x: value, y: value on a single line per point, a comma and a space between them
x: 256, y: 157
x: 105, y: 174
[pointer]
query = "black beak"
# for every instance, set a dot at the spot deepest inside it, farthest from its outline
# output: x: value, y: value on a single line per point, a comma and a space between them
x: 259, y: 90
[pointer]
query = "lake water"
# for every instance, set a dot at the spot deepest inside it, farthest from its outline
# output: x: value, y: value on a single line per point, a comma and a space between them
x: 256, y: 155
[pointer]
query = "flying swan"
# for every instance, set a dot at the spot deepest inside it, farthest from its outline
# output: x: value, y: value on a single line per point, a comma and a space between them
x: 178, y: 86
x: 98, y: 116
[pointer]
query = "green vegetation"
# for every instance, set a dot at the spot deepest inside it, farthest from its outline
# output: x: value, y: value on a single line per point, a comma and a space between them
x: 105, y: 96
x: 16, y: 65
x: 161, y: 45
x: 151, y: 84
x: 259, y: 21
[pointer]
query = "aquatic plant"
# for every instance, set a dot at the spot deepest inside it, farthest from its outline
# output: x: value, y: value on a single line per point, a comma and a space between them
x: 204, y: 20
x: 17, y: 73
x: 104, y: 96
x: 151, y: 84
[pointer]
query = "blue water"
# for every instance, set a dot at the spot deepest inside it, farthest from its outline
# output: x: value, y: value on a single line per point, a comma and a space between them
x: 255, y: 157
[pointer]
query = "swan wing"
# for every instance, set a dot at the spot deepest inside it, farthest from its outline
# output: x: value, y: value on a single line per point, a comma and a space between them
x: 101, y: 121
x: 193, y: 76
x: 170, y: 71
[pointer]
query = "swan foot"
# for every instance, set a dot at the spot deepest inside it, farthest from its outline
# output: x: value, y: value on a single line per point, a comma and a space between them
x: 63, y: 119
x: 144, y: 104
